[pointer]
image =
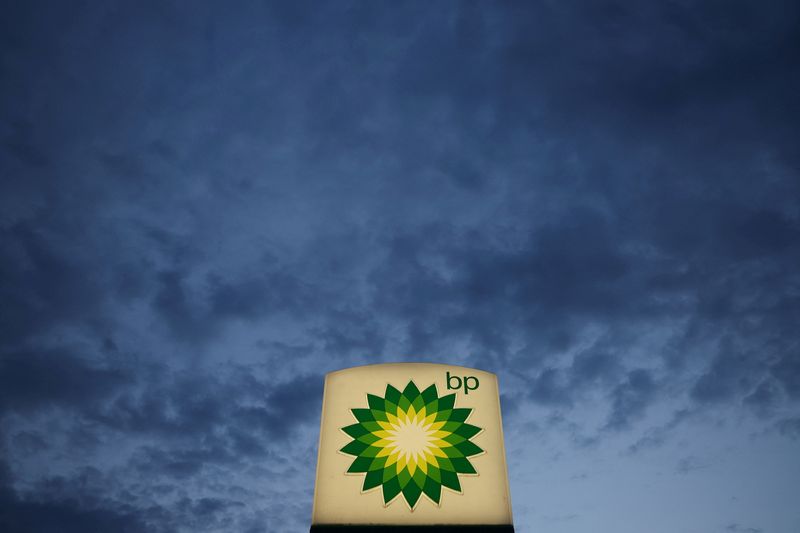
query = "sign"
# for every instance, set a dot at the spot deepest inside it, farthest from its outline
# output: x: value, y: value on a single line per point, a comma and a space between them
x: 411, y: 444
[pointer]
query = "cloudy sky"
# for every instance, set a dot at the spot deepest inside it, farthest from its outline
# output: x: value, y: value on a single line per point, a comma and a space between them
x: 205, y: 207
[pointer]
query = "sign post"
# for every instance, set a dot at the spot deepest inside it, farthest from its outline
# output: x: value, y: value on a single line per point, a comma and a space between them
x: 411, y: 446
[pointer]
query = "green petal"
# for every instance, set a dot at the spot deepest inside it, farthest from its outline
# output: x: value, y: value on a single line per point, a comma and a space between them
x: 390, y: 490
x: 391, y: 408
x: 459, y: 415
x: 452, y: 426
x: 445, y: 464
x: 432, y: 407
x: 412, y: 492
x: 468, y: 448
x: 443, y: 415
x: 379, y: 414
x: 377, y: 464
x: 403, y: 403
x: 371, y: 451
x: 434, y: 474
x: 389, y: 472
x: 452, y: 452
x: 411, y: 391
x: 433, y: 490
x: 429, y: 394
x: 447, y: 402
x: 376, y: 402
x: 453, y: 439
x: 363, y: 415
x: 372, y: 426
x: 404, y: 477
x: 450, y: 480
x: 360, y: 465
x: 373, y: 479
x: 356, y: 430
x: 419, y: 477
x: 369, y: 438
x: 392, y: 394
x: 418, y: 403
x: 354, y: 448
x: 463, y: 466
x: 468, y: 431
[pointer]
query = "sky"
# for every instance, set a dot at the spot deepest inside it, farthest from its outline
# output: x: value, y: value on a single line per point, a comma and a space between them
x: 206, y: 206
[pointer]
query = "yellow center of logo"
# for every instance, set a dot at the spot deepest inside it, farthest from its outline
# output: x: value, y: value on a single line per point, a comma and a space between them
x: 411, y: 440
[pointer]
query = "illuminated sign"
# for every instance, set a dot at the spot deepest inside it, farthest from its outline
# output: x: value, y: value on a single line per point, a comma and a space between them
x: 411, y: 444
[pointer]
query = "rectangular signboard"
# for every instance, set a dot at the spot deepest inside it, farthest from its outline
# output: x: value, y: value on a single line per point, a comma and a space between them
x: 411, y: 444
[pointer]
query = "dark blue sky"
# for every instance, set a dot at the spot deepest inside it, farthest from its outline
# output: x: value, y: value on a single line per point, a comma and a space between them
x: 204, y: 207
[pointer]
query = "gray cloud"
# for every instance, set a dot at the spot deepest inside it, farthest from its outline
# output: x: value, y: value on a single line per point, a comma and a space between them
x: 630, y: 398
x: 203, y: 212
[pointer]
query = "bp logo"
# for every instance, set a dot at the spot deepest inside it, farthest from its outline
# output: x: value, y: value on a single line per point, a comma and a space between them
x: 411, y: 443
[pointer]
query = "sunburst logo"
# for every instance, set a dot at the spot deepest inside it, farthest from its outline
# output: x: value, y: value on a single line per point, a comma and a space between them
x: 411, y: 443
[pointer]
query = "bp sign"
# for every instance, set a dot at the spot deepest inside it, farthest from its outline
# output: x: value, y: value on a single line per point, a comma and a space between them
x: 411, y: 444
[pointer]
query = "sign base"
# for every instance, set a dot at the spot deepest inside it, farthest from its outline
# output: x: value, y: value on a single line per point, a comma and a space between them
x: 505, y: 528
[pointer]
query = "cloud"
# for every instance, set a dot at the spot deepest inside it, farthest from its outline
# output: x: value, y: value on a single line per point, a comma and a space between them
x: 631, y: 398
x: 789, y: 427
x: 736, y: 528
x: 729, y: 375
x: 787, y: 372
x: 202, y: 213
x: 196, y: 311
x: 34, y: 380
x: 189, y: 430
x: 208, y: 406
x: 63, y: 513
x: 689, y: 464
x: 44, y: 286
x: 28, y: 516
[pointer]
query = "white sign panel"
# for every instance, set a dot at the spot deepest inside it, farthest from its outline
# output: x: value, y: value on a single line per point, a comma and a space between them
x: 411, y: 444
